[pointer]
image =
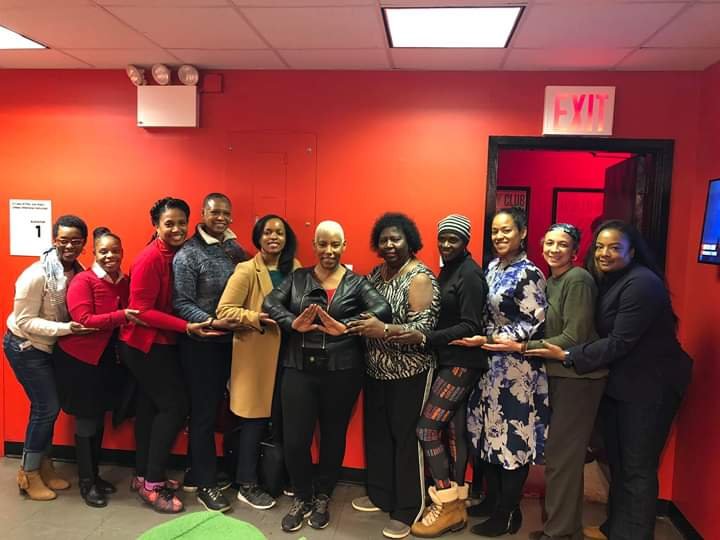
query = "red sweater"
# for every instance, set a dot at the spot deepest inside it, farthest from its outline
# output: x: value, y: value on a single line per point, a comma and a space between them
x: 96, y: 303
x: 151, y: 294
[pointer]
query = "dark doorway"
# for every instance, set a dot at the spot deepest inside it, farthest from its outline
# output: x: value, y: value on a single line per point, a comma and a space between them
x: 627, y: 179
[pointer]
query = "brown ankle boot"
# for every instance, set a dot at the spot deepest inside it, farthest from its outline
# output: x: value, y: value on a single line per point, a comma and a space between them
x: 463, y: 492
x: 50, y: 477
x: 31, y: 484
x: 442, y: 516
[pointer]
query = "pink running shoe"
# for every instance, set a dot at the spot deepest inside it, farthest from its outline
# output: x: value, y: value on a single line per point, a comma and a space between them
x: 162, y: 499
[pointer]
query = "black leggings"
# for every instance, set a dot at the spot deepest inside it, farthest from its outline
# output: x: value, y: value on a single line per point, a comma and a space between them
x: 445, y: 411
x: 326, y: 397
x: 162, y: 406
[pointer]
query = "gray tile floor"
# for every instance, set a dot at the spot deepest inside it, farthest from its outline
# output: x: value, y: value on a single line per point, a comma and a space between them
x: 68, y: 518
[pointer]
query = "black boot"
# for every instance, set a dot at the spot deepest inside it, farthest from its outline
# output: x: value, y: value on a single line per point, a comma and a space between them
x: 102, y: 485
x: 487, y: 507
x: 500, y: 523
x: 91, y: 494
x: 88, y: 490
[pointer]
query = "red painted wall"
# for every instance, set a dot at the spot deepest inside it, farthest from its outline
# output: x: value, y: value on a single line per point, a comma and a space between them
x: 697, y: 468
x: 413, y: 141
x: 542, y: 172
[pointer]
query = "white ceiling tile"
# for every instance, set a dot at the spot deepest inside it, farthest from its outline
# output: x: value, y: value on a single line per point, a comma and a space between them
x: 191, y: 28
x: 602, y: 24
x: 563, y: 59
x: 319, y: 27
x: 237, y: 59
x: 163, y: 3
x: 695, y: 27
x: 302, y: 3
x: 44, y: 3
x: 336, y: 59
x: 119, y: 58
x: 72, y: 27
x: 448, y: 59
x: 670, y: 59
x: 38, y: 59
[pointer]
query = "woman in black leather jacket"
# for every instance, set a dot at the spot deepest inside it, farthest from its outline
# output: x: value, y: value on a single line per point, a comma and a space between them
x: 324, y: 367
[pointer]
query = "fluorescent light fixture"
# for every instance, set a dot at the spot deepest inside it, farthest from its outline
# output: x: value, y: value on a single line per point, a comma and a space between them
x: 468, y: 27
x: 13, y: 40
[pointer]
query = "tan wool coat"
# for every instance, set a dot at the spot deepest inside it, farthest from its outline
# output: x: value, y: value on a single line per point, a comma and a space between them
x: 255, y: 347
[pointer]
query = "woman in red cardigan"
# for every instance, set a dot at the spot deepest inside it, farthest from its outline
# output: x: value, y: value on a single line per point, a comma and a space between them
x: 86, y: 366
x: 150, y: 353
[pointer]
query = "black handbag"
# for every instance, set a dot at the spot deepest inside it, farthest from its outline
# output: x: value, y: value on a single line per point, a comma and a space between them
x: 272, y: 473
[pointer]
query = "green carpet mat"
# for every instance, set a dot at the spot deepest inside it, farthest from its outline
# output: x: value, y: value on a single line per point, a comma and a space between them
x: 204, y: 526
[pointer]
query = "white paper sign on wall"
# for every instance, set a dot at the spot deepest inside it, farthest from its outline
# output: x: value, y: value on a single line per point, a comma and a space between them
x: 30, y: 226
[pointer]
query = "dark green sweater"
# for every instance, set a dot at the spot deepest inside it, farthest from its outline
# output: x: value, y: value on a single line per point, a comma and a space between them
x: 569, y: 318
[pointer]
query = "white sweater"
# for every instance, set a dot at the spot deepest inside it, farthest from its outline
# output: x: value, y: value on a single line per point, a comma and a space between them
x: 33, y: 318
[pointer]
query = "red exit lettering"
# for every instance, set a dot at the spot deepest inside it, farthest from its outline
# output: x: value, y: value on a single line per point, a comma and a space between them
x: 577, y: 112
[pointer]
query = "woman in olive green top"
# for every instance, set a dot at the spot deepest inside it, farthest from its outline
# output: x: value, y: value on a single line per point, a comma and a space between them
x: 574, y: 398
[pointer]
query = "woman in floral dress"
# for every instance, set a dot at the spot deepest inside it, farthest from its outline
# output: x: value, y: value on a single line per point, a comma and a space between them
x: 508, y: 412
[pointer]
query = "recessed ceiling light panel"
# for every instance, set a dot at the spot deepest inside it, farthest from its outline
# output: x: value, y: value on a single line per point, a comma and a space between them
x: 13, y: 40
x: 464, y: 27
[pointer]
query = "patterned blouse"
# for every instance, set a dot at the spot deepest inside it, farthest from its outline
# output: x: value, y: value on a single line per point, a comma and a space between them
x: 392, y: 361
x: 509, y: 410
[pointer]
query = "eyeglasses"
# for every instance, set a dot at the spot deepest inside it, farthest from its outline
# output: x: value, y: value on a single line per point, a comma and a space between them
x: 74, y: 242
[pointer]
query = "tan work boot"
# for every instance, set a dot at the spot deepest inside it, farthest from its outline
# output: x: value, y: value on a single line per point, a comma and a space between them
x: 442, y: 516
x: 463, y: 492
x: 50, y: 477
x: 594, y: 532
x: 31, y: 484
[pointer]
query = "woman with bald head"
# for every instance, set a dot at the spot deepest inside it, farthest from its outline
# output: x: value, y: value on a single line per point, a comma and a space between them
x: 324, y: 367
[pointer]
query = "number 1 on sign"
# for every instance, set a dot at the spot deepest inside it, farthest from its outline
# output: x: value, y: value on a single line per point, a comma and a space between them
x: 38, y: 230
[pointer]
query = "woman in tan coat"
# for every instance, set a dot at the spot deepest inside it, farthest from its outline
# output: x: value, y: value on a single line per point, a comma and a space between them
x: 253, y: 376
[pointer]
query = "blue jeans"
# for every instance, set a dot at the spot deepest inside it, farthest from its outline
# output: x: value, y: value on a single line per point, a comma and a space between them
x: 33, y: 369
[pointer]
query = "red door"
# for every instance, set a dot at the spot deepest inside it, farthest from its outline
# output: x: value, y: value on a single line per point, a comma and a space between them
x: 273, y: 172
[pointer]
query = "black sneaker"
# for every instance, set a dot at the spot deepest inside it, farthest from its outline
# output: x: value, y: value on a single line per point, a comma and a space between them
x: 254, y: 495
x: 223, y: 482
x: 299, y: 510
x: 320, y: 516
x: 188, y: 483
x: 213, y: 499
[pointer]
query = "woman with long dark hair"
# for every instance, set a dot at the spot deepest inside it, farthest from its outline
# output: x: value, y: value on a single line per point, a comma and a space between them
x: 255, y: 375
x: 649, y: 373
x: 86, y: 366
x: 38, y: 318
x: 150, y: 352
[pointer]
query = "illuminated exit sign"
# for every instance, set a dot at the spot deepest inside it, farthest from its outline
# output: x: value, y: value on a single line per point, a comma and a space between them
x: 579, y: 110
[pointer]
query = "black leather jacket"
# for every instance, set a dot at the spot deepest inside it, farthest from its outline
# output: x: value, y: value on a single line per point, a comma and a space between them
x: 353, y: 297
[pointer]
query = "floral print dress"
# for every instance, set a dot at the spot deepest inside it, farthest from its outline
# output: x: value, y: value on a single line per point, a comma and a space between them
x: 509, y: 410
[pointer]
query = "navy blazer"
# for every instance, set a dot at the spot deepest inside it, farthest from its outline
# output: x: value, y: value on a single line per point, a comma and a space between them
x: 638, y: 341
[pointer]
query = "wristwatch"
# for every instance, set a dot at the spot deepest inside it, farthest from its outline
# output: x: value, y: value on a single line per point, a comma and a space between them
x: 567, y: 361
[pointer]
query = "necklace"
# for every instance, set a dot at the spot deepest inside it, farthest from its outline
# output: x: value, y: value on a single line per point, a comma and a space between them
x: 384, y: 270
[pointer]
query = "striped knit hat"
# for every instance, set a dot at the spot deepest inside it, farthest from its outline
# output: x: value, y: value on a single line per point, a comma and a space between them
x: 457, y: 224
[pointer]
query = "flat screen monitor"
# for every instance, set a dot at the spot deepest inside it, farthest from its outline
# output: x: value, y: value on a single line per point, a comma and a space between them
x: 710, y: 239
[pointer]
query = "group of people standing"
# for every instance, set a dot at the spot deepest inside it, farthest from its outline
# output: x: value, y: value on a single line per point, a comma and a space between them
x: 499, y: 364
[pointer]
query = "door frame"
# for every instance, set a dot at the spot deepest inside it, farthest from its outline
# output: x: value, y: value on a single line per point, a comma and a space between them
x: 657, y: 188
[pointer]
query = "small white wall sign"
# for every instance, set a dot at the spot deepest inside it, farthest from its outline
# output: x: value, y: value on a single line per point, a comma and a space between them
x: 30, y: 226
x: 579, y: 110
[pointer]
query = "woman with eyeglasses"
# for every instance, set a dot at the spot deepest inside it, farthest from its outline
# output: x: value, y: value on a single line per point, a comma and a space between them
x: 38, y: 318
